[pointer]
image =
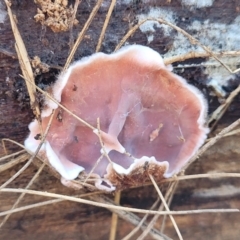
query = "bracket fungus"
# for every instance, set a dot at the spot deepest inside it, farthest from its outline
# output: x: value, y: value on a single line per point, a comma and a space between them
x: 151, y: 120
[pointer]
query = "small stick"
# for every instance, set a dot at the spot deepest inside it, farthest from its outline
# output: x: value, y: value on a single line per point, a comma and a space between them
x: 190, y: 55
x: 101, y: 141
x: 170, y: 194
x: 77, y: 2
x: 166, y: 207
x: 155, y: 218
x: 109, y: 206
x: 219, y: 112
x: 110, y: 10
x: 24, y: 62
x: 211, y: 143
x: 81, y: 34
x: 64, y: 108
x: 10, y: 155
x: 138, y: 227
x: 113, y: 229
x: 93, y: 168
x: 30, y: 160
x: 40, y: 204
x: 22, y: 194
x: 19, y: 159
x: 192, y: 40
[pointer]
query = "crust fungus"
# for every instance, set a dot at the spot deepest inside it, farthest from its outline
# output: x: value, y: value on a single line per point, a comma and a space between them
x: 151, y: 120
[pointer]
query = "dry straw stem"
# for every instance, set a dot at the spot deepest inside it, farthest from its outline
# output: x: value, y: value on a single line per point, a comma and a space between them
x: 219, y: 112
x: 192, y: 40
x: 234, y: 132
x: 24, y: 62
x: 103, y: 154
x: 113, y: 207
x: 101, y: 141
x: 77, y: 2
x: 82, y: 33
x: 139, y: 226
x: 93, y: 168
x: 129, y: 217
x: 64, y: 108
x: 169, y: 196
x: 80, y: 37
x: 204, y: 175
x: 123, y: 214
x: 211, y: 143
x: 22, y: 194
x: 40, y: 204
x: 169, y: 193
x: 22, y: 158
x: 196, y: 176
x: 12, y: 141
x: 191, y: 55
x: 208, y: 176
x: 113, y: 229
x: 166, y: 207
x: 10, y: 155
x: 30, y: 159
x: 108, y: 16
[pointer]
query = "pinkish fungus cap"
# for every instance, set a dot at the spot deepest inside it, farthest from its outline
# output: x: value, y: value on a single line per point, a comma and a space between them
x: 144, y: 110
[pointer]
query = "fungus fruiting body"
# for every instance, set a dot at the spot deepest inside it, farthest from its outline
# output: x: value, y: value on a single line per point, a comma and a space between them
x: 151, y: 120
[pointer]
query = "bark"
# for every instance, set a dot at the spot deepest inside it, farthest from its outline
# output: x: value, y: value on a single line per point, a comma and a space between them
x: 68, y: 220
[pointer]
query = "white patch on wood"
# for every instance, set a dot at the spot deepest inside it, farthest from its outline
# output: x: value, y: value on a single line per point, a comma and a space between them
x: 3, y: 13
x: 197, y: 3
x: 223, y: 191
x: 217, y: 36
x: 149, y: 27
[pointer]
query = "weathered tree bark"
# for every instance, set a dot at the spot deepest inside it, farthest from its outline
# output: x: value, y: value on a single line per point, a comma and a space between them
x: 68, y: 220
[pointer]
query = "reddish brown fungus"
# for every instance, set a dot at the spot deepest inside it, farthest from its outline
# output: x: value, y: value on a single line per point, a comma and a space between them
x: 143, y: 108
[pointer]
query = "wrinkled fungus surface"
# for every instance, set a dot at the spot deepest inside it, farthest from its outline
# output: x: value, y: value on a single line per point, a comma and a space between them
x: 151, y: 120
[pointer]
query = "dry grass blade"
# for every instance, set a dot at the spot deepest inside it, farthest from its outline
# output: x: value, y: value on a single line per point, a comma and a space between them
x: 64, y: 108
x: 82, y: 33
x: 30, y: 160
x: 113, y: 229
x: 40, y: 204
x: 208, y: 175
x: 234, y: 132
x: 110, y: 10
x: 24, y: 62
x: 101, y: 141
x: 191, y: 55
x: 114, y: 207
x: 11, y: 155
x: 197, y: 176
x: 169, y: 197
x: 130, y: 217
x: 166, y: 207
x: 12, y: 141
x: 155, y: 218
x: 212, y: 142
x: 219, y: 112
x: 139, y: 226
x: 192, y: 40
x: 22, y: 194
x: 77, y: 2
x: 13, y: 162
x: 93, y: 168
